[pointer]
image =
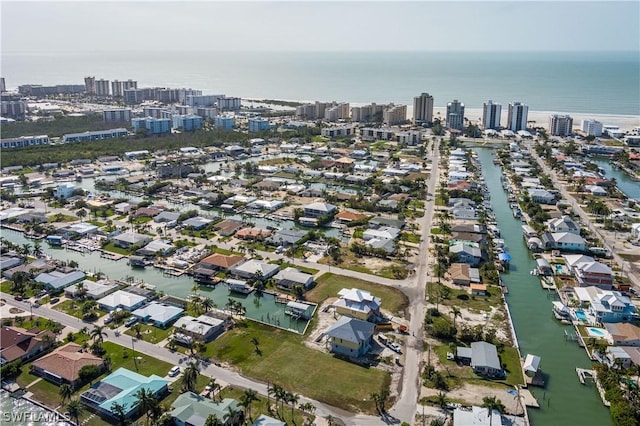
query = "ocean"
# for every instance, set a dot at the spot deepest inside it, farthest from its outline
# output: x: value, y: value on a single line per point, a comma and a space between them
x: 579, y: 82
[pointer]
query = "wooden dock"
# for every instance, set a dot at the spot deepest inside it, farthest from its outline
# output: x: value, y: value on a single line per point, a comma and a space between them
x: 110, y: 255
x: 528, y: 399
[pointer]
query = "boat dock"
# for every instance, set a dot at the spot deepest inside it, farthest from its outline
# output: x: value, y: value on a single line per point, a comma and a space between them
x: 584, y: 374
x: 528, y: 399
x: 110, y: 255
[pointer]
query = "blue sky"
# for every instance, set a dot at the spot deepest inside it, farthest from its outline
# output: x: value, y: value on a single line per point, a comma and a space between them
x: 29, y: 26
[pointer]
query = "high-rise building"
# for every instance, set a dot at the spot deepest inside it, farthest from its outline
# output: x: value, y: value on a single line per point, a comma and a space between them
x: 394, y: 114
x: 153, y: 126
x: 120, y: 114
x: 187, y: 123
x: 132, y: 96
x: 337, y: 112
x: 229, y: 104
x: 224, y: 122
x: 560, y: 125
x: 118, y: 87
x: 455, y: 115
x: 591, y: 127
x: 517, y: 116
x: 3, y: 87
x: 491, y: 115
x: 13, y: 109
x: 259, y: 124
x: 102, y: 88
x: 90, y: 85
x: 423, y: 108
x: 202, y: 100
x: 367, y: 113
x: 207, y: 112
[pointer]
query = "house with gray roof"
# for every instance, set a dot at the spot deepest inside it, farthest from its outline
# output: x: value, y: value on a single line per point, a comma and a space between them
x: 319, y: 209
x: 56, y: 280
x: 160, y: 314
x: 286, y: 237
x: 121, y: 299
x: 91, y: 289
x: 157, y: 247
x: 290, y: 277
x: 264, y: 420
x: 254, y: 268
x: 563, y: 224
x: 483, y: 358
x: 191, y: 409
x: 564, y: 241
x: 197, y: 223
x: 130, y: 239
x: 466, y: 254
x: 350, y: 337
x: 166, y: 216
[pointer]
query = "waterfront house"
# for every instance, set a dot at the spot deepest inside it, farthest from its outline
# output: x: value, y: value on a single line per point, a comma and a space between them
x: 466, y: 254
x: 606, y: 305
x: 255, y: 269
x: 160, y: 314
x: 63, y: 364
x: 593, y: 274
x: 477, y: 416
x: 228, y: 227
x: 348, y: 216
x: 318, y: 209
x: 564, y: 241
x: 196, y: 223
x: 157, y: 248
x: 8, y: 262
x: 129, y: 240
x: 483, y: 358
x: 264, y: 420
x: 90, y: 289
x: 623, y: 334
x: 205, y: 327
x: 382, y: 233
x: 166, y: 216
x: 219, y: 262
x: 616, y: 357
x: 286, y: 237
x: 350, y: 337
x: 289, y: 278
x: 57, y: 280
x: 253, y: 234
x: 191, y: 409
x: 121, y: 387
x: 19, y: 343
x: 541, y: 196
x: 123, y: 300
x: 78, y: 230
x: 358, y: 303
x: 563, y: 224
x: 299, y: 310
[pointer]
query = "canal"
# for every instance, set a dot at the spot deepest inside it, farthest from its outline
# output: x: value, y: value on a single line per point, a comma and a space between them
x: 627, y: 185
x: 564, y: 401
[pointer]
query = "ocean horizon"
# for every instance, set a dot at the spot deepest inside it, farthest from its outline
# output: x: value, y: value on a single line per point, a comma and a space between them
x: 572, y: 81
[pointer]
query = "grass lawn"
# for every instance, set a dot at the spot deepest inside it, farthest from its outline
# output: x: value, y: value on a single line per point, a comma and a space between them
x: 412, y: 238
x: 150, y: 333
x: 226, y: 252
x: 118, y: 250
x: 24, y: 378
x: 41, y: 323
x: 74, y: 308
x: 47, y: 393
x: 306, y: 269
x: 285, y: 360
x: 329, y: 285
x: 260, y: 407
x: 462, y: 299
x: 123, y: 357
x: 59, y: 217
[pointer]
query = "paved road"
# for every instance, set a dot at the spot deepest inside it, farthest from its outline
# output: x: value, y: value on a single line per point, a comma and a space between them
x: 635, y: 280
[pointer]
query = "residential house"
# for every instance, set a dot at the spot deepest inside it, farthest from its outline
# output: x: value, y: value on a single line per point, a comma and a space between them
x: 358, y: 303
x: 264, y: 420
x: 191, y: 409
x: 205, y: 327
x: 289, y: 278
x: 62, y: 366
x: 160, y: 314
x: 383, y: 233
x: 319, y: 209
x: 483, y: 358
x: 541, y: 196
x: 157, y: 248
x: 594, y: 274
x: 617, y: 357
x: 255, y: 269
x: 467, y: 254
x: 90, y: 289
x: 228, y: 227
x: 18, y: 343
x: 128, y: 240
x: 563, y: 224
x: 123, y: 300
x: 348, y: 216
x: 166, y: 216
x: 606, y: 305
x: 253, y: 233
x: 477, y: 416
x: 463, y: 274
x: 350, y: 337
x: 286, y: 237
x: 623, y: 334
x: 377, y: 222
x: 564, y: 241
x: 56, y: 280
x: 197, y: 223
x: 121, y: 387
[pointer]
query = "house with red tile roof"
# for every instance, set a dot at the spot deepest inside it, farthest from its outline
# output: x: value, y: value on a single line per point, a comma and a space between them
x: 63, y: 365
x: 18, y: 343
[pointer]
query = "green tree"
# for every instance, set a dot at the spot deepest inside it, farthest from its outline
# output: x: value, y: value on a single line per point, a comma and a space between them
x: 74, y: 408
x: 190, y: 377
x: 120, y: 413
x: 65, y: 392
x: 492, y: 403
x: 248, y: 397
x: 98, y: 334
x: 144, y: 401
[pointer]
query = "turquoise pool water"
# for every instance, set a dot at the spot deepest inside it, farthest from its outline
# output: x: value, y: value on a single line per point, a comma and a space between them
x: 595, y: 332
x: 580, y: 315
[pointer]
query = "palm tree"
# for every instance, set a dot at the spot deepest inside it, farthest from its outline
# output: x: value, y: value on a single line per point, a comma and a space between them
x: 441, y: 400
x: 293, y: 398
x: 438, y: 422
x: 98, y: 333
x: 37, y: 249
x: 120, y: 413
x: 247, y: 399
x: 65, y: 392
x: 137, y: 328
x: 213, y: 420
x: 190, y: 377
x: 145, y: 400
x: 207, y: 303
x: 492, y: 403
x: 456, y: 313
x: 74, y: 408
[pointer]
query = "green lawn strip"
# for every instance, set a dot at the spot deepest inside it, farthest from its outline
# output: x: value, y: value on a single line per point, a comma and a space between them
x: 226, y: 252
x: 261, y: 407
x: 46, y: 393
x: 330, y: 284
x: 146, y: 365
x: 412, y: 238
x: 306, y: 269
x: 285, y: 360
x: 462, y: 299
x: 25, y: 378
x: 74, y: 308
x: 511, y: 364
x: 59, y: 217
x: 118, y: 250
x: 150, y: 333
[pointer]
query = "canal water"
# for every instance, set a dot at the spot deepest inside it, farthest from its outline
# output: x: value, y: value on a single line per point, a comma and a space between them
x: 627, y: 185
x: 564, y: 401
x: 20, y: 412
x: 263, y: 308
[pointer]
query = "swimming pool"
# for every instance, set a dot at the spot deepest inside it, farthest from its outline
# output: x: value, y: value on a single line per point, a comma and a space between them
x: 580, y: 315
x: 595, y: 332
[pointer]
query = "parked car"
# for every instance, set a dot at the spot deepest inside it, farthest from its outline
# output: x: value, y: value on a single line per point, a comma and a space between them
x: 131, y: 321
x: 42, y: 293
x: 18, y: 298
x: 108, y: 319
x: 174, y: 371
x: 395, y: 347
x: 54, y: 300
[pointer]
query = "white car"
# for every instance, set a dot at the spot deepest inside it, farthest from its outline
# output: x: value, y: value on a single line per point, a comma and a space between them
x: 174, y: 371
x: 395, y: 347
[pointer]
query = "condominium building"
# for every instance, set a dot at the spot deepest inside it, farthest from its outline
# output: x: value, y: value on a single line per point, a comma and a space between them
x: 13, y: 109
x: 229, y: 104
x: 132, y: 96
x: 367, y: 113
x: 258, y: 124
x: 182, y: 109
x: 314, y: 111
x: 209, y: 113
x: 24, y: 141
x: 152, y: 126
x: 560, y: 125
x: 121, y: 114
x: 118, y: 87
x: 423, y: 108
x: 224, y: 122
x: 102, y: 88
x: 345, y: 131
x: 202, y: 100
x: 517, y: 116
x: 394, y: 114
x: 591, y: 127
x: 94, y: 136
x: 337, y: 112
x: 187, y: 123
x: 455, y: 115
x: 167, y: 96
x: 156, y: 112
x: 90, y: 85
x: 3, y: 87
x: 491, y: 115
